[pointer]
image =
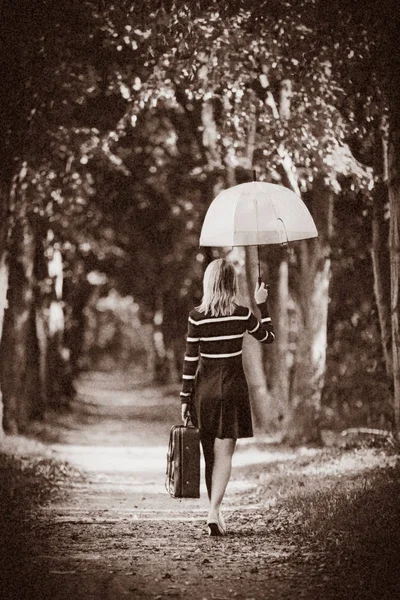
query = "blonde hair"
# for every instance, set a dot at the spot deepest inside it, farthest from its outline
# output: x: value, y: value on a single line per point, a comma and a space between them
x: 220, y: 289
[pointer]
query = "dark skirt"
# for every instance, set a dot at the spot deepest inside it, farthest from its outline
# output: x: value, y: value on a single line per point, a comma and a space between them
x: 221, y: 399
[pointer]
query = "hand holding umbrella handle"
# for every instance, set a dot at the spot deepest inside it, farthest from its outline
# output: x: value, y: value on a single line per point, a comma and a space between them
x: 261, y: 292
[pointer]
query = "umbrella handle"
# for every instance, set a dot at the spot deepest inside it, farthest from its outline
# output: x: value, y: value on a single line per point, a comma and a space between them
x: 259, y: 279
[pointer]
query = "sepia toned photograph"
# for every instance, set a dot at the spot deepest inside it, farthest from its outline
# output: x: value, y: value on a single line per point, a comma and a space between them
x: 199, y: 300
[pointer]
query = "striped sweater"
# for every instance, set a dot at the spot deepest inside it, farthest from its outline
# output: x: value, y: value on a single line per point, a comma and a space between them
x: 221, y: 337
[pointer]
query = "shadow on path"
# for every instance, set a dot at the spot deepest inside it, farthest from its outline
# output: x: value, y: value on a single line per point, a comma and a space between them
x: 117, y: 534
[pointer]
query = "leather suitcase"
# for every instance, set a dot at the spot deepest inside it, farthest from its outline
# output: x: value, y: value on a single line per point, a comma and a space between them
x: 183, y: 462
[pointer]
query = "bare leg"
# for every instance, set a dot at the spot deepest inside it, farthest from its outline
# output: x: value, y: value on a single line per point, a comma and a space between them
x: 223, y: 452
x: 208, y: 450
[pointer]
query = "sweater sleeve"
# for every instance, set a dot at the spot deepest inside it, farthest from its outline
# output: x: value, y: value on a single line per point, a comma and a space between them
x: 191, y: 361
x: 263, y: 330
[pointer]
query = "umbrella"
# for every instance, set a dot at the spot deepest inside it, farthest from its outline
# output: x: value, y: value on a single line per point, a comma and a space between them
x: 254, y: 214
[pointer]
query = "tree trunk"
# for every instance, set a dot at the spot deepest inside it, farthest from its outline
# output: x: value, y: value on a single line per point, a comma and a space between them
x: 253, y: 356
x: 19, y: 367
x: 162, y: 361
x: 312, y: 296
x: 253, y: 352
x: 3, y: 305
x: 54, y: 359
x: 3, y: 289
x: 42, y: 331
x: 77, y: 292
x: 170, y: 311
x: 4, y: 230
x: 174, y: 330
x: 147, y: 332
x: 394, y: 244
x: 151, y: 332
x: 4, y: 271
x: 307, y: 376
x: 380, y: 250
x: 253, y: 362
x: 277, y: 363
x: 60, y: 388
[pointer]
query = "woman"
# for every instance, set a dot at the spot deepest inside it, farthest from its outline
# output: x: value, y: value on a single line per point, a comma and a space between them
x: 214, y: 387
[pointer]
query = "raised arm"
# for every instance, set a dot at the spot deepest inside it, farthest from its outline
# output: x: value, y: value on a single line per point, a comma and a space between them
x: 191, y: 361
x: 263, y: 330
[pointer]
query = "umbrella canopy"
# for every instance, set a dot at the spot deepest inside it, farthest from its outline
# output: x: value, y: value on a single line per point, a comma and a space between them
x: 256, y: 213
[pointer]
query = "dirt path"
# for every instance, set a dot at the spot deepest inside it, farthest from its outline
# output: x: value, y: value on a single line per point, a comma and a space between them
x: 119, y: 534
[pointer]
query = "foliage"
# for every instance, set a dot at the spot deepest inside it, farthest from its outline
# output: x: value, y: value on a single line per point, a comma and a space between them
x: 356, y: 389
x: 30, y: 478
x: 114, y: 333
x: 354, y: 524
x: 30, y: 475
x: 152, y: 69
x: 130, y: 116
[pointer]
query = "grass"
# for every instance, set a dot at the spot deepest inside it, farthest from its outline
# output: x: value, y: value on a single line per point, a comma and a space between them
x: 30, y: 477
x: 349, y: 518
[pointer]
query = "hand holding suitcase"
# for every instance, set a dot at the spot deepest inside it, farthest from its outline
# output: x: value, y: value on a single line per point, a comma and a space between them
x: 183, y: 461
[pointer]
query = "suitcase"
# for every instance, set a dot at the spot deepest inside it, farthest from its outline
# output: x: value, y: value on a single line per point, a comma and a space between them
x: 183, y: 462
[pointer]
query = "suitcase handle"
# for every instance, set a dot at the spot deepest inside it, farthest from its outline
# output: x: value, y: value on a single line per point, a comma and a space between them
x: 188, y: 421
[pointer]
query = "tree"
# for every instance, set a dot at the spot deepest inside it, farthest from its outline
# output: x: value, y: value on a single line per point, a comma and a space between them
x: 40, y: 91
x: 123, y: 126
x: 248, y: 100
x: 375, y: 29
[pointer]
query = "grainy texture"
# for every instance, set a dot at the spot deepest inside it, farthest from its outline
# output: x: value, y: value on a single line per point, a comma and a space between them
x: 303, y: 523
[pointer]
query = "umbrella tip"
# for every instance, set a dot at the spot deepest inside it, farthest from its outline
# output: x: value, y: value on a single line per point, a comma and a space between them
x: 254, y: 175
